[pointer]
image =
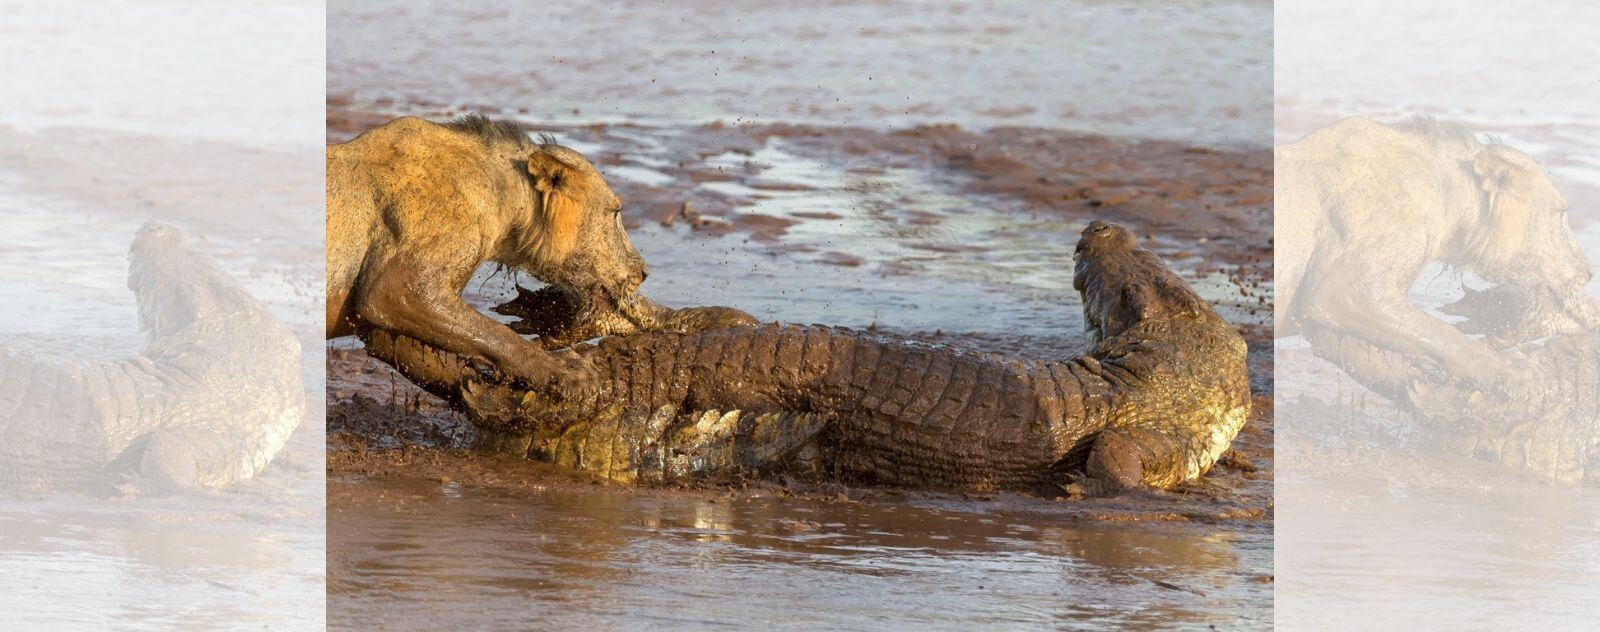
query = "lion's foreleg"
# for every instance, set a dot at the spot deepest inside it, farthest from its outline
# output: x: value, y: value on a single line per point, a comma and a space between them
x: 423, y: 301
x: 1371, y: 304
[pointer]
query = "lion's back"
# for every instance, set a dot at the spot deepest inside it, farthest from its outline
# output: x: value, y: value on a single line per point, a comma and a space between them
x: 406, y: 156
x: 1354, y: 186
x: 388, y: 180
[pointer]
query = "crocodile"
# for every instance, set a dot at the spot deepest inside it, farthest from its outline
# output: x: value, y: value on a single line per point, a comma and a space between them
x: 1154, y: 403
x: 211, y: 398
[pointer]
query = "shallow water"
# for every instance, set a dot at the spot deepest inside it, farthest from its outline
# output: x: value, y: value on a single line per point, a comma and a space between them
x: 459, y: 555
x: 1197, y: 71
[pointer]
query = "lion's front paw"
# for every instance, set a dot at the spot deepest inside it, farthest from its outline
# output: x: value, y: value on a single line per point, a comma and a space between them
x: 560, y: 376
x: 1504, y: 375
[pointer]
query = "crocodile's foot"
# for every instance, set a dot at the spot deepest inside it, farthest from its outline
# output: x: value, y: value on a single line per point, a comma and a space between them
x: 1114, y: 465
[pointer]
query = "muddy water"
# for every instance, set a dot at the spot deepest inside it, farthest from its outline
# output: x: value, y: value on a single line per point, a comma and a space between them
x: 1197, y: 71
x: 861, y: 206
x: 578, y: 558
x: 1367, y: 512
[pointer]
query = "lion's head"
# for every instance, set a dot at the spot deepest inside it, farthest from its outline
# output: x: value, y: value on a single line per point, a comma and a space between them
x: 1522, y: 241
x: 580, y: 243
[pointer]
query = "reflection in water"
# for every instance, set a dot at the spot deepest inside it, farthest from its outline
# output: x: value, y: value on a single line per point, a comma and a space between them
x: 421, y: 553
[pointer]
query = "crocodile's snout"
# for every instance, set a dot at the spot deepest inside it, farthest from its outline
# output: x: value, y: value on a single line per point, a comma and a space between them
x: 1100, y: 236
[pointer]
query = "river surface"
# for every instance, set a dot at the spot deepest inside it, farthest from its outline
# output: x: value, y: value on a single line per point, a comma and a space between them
x: 827, y: 184
x: 1364, y: 513
x: 1195, y: 71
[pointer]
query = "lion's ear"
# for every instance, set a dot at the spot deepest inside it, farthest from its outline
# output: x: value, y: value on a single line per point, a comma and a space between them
x: 548, y: 170
x: 1494, y: 171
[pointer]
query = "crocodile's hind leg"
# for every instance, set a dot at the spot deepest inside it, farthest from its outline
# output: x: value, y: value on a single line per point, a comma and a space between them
x: 1112, y: 462
x: 176, y: 459
x: 1148, y: 457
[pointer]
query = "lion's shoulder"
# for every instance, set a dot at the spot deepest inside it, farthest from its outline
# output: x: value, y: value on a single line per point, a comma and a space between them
x: 414, y: 147
x: 1351, y: 129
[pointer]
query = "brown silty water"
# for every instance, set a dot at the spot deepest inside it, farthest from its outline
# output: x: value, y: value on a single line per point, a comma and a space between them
x: 952, y: 234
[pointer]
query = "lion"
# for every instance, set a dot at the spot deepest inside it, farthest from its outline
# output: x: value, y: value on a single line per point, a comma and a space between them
x: 1362, y: 207
x: 414, y: 208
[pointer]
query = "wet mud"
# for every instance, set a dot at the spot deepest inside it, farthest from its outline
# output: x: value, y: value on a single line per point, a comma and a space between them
x: 938, y: 233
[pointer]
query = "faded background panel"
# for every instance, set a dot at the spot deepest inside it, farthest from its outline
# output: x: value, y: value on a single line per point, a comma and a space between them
x: 922, y: 168
x: 205, y: 117
x: 1403, y: 502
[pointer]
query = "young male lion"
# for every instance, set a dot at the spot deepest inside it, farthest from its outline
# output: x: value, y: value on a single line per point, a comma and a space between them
x: 414, y: 208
